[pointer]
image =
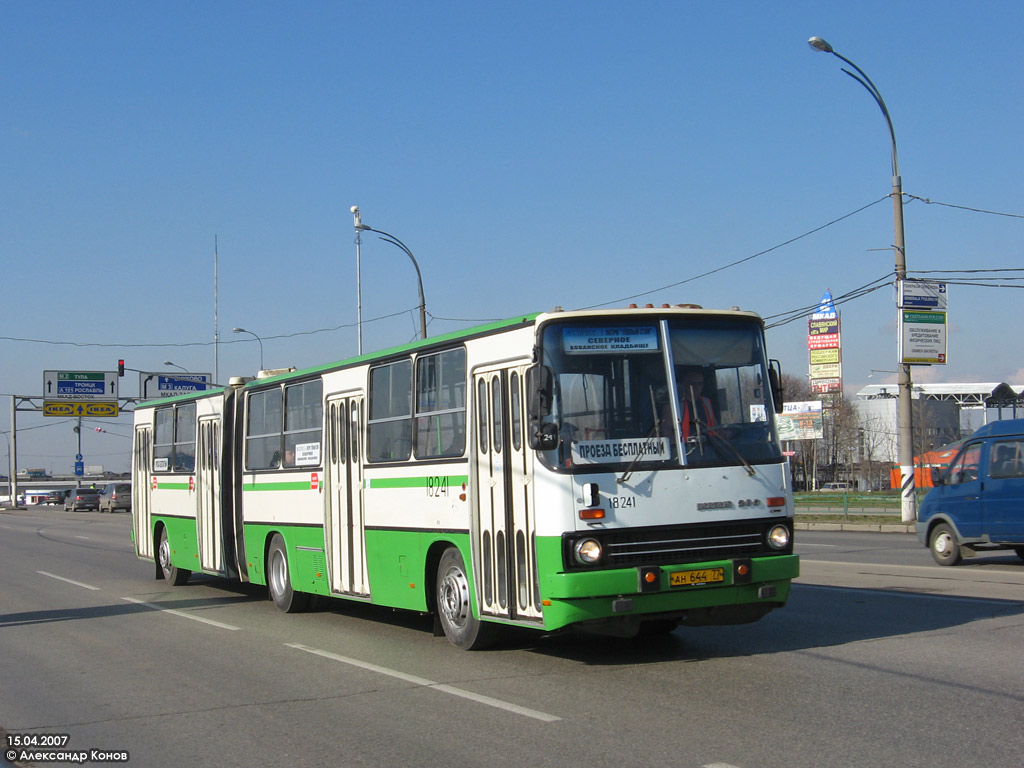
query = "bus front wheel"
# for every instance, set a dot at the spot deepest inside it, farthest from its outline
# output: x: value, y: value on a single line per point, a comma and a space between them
x: 175, y: 576
x: 278, y: 580
x: 462, y: 629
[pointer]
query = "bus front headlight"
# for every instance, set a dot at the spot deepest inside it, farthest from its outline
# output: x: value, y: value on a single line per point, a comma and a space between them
x: 587, y: 551
x: 778, y: 537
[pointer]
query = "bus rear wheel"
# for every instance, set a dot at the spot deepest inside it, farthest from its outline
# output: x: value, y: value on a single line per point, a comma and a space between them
x: 279, y: 582
x: 454, y: 610
x: 175, y: 576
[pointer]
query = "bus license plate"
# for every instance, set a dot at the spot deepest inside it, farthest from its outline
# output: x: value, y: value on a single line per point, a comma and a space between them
x: 698, y: 576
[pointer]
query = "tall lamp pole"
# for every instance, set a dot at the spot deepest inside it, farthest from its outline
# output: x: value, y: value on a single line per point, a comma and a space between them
x: 359, y: 280
x: 904, y: 413
x: 389, y: 238
x: 242, y: 330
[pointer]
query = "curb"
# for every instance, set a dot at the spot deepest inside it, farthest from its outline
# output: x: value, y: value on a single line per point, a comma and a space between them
x: 860, y: 527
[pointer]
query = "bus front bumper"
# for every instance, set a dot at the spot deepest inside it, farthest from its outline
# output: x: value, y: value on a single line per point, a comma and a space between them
x: 718, y: 592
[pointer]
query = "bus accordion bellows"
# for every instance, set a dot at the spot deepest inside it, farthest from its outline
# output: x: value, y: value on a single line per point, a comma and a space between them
x: 612, y: 471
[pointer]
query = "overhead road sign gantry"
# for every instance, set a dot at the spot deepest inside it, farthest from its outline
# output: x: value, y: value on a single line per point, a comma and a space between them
x: 80, y: 385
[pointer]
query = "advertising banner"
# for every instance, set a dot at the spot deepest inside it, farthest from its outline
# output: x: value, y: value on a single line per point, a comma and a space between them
x: 824, y: 347
x: 800, y: 421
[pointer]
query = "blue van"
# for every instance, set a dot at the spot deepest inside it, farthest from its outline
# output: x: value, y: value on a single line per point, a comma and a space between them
x: 978, y: 502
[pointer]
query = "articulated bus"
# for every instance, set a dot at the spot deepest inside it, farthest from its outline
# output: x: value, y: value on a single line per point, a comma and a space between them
x: 611, y: 471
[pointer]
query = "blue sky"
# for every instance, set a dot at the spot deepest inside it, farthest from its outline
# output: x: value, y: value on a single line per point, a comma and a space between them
x: 530, y: 154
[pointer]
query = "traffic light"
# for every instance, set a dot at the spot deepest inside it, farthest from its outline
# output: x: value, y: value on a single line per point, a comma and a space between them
x: 120, y: 367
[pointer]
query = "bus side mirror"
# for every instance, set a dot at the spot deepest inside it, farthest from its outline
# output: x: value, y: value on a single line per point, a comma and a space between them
x: 543, y: 436
x: 775, y: 380
x: 936, y: 476
x: 539, y: 388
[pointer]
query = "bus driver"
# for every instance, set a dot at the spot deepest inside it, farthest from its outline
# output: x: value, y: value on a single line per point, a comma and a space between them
x: 696, y: 413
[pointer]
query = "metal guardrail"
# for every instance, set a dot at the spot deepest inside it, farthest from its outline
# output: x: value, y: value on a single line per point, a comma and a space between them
x: 846, y: 504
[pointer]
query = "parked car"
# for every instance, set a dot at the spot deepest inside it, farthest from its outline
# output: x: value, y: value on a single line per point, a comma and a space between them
x: 978, y: 502
x: 81, y: 499
x: 116, y: 496
x: 55, y: 497
x: 839, y: 486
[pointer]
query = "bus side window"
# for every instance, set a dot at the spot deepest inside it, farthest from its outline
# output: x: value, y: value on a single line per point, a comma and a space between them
x: 389, y: 426
x: 185, y: 438
x: 441, y: 404
x: 303, y: 422
x: 263, y: 430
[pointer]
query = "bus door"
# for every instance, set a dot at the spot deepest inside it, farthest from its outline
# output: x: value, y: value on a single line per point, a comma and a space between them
x: 505, y: 526
x: 141, y: 490
x: 344, y: 525
x: 208, y: 497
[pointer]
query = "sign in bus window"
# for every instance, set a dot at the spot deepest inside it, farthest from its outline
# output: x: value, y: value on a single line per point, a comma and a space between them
x: 577, y: 340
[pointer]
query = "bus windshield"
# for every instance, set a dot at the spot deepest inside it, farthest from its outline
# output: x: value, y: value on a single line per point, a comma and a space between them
x: 680, y: 391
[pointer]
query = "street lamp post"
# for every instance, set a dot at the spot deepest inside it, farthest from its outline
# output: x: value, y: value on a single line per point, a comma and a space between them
x: 175, y: 365
x: 242, y: 330
x: 359, y: 279
x: 388, y: 238
x: 904, y: 414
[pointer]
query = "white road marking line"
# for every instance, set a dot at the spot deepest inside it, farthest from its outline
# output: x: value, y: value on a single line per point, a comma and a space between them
x: 69, y: 581
x: 183, y: 615
x: 82, y: 537
x: 892, y: 592
x: 422, y: 681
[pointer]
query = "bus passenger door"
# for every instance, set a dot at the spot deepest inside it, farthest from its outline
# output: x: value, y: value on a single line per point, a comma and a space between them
x: 506, y: 571
x: 141, y: 490
x: 344, y: 527
x: 208, y: 497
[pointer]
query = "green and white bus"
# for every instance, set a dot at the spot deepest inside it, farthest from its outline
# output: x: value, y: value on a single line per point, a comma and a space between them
x: 549, y: 471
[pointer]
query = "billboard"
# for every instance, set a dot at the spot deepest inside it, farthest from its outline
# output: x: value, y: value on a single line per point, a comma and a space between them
x: 922, y: 338
x: 800, y: 421
x: 824, y: 348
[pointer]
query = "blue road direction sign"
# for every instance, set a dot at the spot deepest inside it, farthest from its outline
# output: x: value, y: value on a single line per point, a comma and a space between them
x: 79, y: 468
x: 923, y: 294
x: 80, y: 385
x: 171, y: 384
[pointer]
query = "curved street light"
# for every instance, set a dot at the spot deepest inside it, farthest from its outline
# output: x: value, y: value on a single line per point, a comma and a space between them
x: 389, y: 238
x: 242, y: 330
x: 904, y: 416
x: 168, y: 362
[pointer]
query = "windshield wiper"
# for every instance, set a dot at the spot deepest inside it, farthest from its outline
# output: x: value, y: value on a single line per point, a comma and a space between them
x: 721, y: 440
x: 654, y: 430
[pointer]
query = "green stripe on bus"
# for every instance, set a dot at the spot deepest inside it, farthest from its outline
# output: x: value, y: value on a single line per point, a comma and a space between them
x: 162, y: 486
x: 416, y: 482
x: 303, y: 485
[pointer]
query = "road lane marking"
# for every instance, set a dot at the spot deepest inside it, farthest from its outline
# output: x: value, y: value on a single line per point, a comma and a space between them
x: 422, y: 681
x: 69, y: 581
x: 896, y: 592
x: 184, y: 615
x: 934, y: 572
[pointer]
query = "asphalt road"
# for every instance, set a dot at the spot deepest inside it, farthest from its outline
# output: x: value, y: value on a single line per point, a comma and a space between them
x: 880, y: 658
